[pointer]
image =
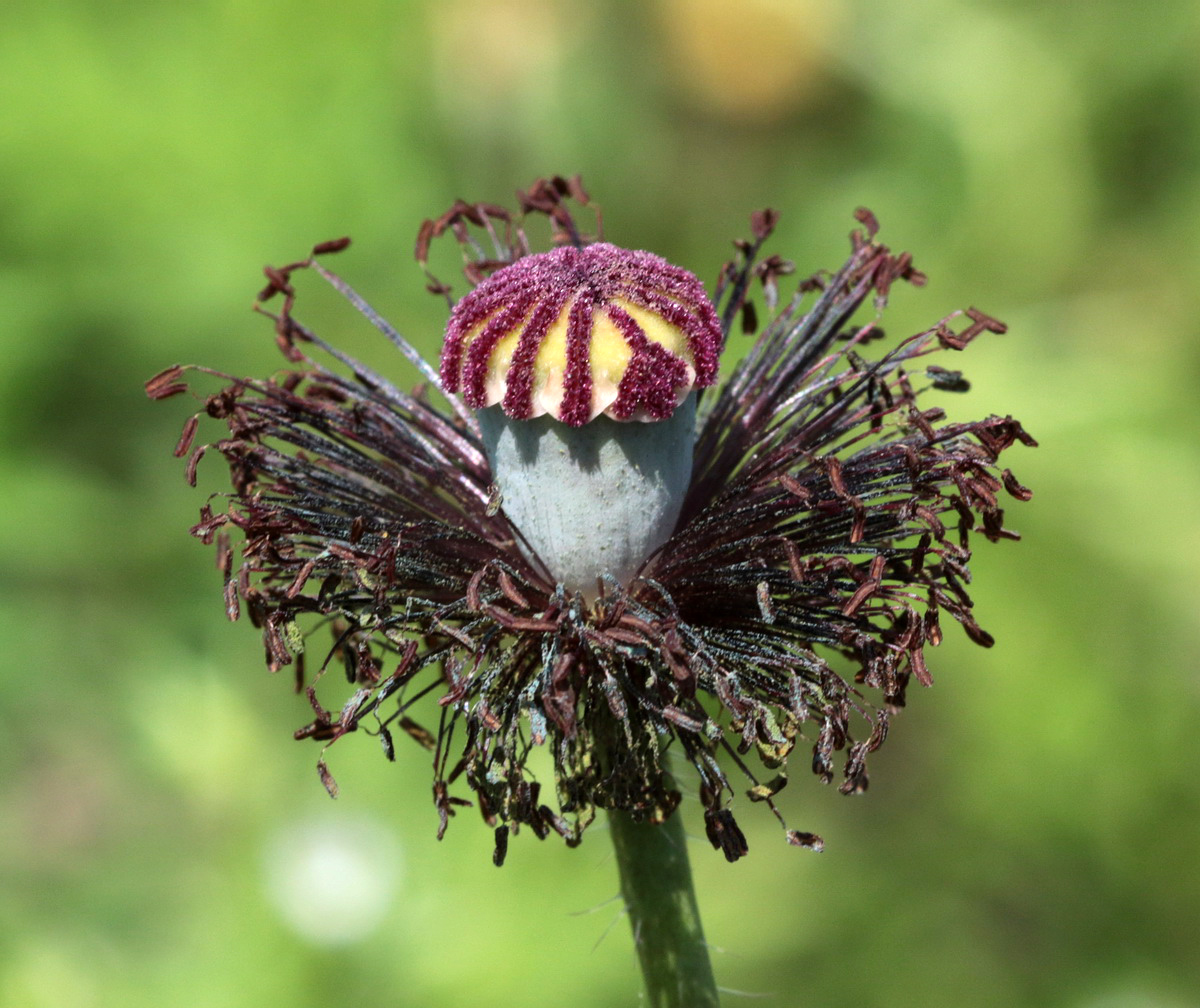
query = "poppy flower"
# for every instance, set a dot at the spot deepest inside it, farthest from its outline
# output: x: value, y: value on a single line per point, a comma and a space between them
x: 573, y: 537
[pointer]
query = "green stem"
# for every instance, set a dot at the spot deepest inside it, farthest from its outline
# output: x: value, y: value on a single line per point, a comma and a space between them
x: 656, y: 883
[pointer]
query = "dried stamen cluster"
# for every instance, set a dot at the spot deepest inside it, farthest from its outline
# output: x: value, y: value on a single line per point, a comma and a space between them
x: 824, y: 534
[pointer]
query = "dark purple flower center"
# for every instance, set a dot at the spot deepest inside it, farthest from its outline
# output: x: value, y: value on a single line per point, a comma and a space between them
x: 576, y: 332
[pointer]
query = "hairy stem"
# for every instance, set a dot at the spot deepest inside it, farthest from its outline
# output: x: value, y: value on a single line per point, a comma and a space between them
x: 656, y: 882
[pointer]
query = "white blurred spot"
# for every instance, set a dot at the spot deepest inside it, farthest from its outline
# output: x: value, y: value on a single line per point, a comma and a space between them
x: 1137, y: 994
x: 333, y: 880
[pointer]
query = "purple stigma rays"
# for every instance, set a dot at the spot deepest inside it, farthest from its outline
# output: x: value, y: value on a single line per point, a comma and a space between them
x: 577, y: 332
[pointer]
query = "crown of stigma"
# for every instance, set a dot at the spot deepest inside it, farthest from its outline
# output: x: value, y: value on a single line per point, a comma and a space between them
x: 577, y: 332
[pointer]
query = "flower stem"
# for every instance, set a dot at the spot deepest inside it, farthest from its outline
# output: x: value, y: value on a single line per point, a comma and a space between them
x: 656, y: 882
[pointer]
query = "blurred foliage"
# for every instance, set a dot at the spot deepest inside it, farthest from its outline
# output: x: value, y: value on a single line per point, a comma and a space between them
x: 1032, y: 834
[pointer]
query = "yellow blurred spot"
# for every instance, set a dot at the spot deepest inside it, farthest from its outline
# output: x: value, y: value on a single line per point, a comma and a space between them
x: 758, y: 59
x: 487, y: 67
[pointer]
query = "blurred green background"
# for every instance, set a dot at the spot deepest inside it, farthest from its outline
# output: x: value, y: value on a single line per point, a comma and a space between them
x: 1033, y: 831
